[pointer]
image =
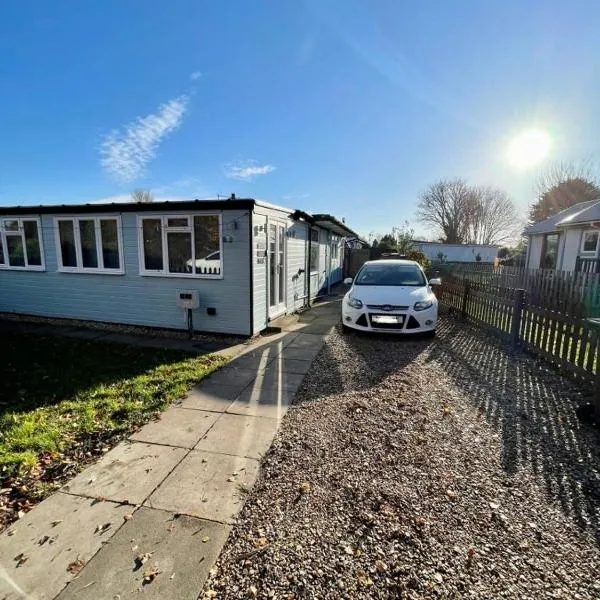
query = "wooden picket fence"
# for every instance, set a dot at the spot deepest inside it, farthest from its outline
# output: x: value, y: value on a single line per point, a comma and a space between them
x: 534, y: 319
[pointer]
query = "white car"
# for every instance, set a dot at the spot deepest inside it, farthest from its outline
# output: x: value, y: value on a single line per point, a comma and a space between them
x: 208, y: 263
x: 391, y: 296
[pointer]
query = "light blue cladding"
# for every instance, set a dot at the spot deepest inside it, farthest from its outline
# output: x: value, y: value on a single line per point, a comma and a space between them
x: 132, y: 298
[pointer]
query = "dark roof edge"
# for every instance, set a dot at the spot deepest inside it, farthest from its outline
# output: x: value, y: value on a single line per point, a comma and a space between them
x: 339, y: 224
x: 128, y: 207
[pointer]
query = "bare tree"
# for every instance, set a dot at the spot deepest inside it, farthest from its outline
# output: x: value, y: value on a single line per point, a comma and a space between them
x: 562, y: 185
x: 144, y: 196
x: 492, y: 217
x: 445, y: 205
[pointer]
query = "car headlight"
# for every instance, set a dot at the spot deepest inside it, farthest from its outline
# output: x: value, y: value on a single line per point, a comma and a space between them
x: 354, y: 302
x: 424, y: 305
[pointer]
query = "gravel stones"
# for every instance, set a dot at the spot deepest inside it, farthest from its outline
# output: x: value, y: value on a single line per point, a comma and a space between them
x: 422, y: 469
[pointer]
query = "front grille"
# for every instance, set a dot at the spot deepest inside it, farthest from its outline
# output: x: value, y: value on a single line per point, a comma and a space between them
x: 385, y: 325
x: 388, y: 307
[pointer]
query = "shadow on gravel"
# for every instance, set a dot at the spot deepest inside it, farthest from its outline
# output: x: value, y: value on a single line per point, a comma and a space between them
x: 374, y: 358
x: 533, y: 408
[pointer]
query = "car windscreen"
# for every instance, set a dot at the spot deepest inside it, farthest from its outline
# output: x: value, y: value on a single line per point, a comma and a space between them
x: 390, y: 275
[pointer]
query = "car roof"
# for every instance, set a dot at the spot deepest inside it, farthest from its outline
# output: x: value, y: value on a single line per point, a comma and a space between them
x: 393, y: 261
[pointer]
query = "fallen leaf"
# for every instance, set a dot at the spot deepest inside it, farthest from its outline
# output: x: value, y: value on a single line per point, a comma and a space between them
x: 128, y: 517
x: 210, y: 594
x: 75, y: 567
x: 172, y: 576
x: 43, y: 540
x: 102, y: 528
x: 140, y: 559
x: 21, y: 559
x: 11, y: 532
x: 55, y: 523
x: 205, y: 539
x: 364, y: 579
x: 230, y: 479
x: 150, y: 575
x: 494, y: 505
x: 305, y: 487
x: 21, y: 514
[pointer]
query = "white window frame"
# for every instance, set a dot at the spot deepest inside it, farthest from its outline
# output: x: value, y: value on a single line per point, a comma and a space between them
x: 99, y: 270
x: 589, y: 252
x: 316, y: 243
x: 164, y: 229
x: 21, y: 232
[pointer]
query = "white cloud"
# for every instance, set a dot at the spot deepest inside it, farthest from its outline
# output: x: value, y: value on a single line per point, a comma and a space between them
x: 196, y: 75
x: 247, y: 170
x: 125, y: 153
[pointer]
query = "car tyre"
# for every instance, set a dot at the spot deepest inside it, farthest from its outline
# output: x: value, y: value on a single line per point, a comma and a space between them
x: 345, y: 329
x: 429, y: 334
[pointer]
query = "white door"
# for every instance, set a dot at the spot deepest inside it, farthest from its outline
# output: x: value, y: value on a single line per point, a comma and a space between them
x: 276, y: 266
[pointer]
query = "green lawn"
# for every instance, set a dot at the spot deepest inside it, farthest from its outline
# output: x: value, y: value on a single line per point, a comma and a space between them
x: 63, y: 398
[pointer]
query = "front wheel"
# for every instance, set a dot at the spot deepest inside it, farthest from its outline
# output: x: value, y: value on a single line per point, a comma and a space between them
x: 345, y: 329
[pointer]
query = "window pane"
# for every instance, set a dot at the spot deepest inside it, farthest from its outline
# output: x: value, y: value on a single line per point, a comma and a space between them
x: 272, y: 264
x: 1, y: 253
x: 281, y: 263
x: 314, y: 258
x: 314, y: 235
x: 589, y: 241
x: 32, y: 243
x: 110, y: 244
x: 14, y: 245
x: 87, y: 234
x: 11, y: 225
x: 551, y: 254
x: 153, y: 250
x: 66, y: 234
x: 177, y: 222
x: 179, y: 248
x: 207, y: 244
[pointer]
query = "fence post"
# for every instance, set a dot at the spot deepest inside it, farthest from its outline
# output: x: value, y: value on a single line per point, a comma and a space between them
x: 517, y: 312
x: 463, y: 309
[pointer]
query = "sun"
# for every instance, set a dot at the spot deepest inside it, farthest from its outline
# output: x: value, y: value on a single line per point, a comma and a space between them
x: 529, y: 148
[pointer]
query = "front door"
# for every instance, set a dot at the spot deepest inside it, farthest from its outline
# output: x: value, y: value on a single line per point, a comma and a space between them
x: 276, y: 269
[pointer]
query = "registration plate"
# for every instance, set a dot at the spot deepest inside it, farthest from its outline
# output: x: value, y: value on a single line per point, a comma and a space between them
x: 387, y: 319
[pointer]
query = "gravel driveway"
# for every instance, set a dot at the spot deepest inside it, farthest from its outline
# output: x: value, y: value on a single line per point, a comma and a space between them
x: 423, y: 469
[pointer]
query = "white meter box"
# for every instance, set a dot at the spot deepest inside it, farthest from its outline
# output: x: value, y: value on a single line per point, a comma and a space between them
x: 188, y: 299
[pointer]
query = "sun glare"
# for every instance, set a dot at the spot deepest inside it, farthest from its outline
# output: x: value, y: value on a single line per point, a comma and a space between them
x: 529, y: 148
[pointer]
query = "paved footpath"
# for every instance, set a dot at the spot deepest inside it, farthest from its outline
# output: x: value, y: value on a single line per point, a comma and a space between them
x: 153, y: 514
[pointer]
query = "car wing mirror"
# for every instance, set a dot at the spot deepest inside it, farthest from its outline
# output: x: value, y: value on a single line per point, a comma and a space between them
x: 435, y: 281
x: 348, y: 281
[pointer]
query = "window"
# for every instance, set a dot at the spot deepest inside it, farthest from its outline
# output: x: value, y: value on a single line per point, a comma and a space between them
x: 391, y: 274
x: 549, y: 251
x: 589, y: 242
x: 314, y: 250
x: 89, y: 245
x: 335, y: 248
x: 181, y: 246
x: 21, y: 244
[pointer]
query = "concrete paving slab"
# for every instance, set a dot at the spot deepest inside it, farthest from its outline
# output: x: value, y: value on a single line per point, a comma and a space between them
x: 321, y: 327
x: 50, y: 549
x: 180, y: 551
x: 231, y: 375
x: 276, y: 379
x: 128, y: 473
x: 206, y: 485
x: 256, y: 361
x: 302, y: 353
x: 308, y: 340
x: 215, y: 398
x: 260, y: 402
x: 290, y: 365
x: 177, y: 427
x: 240, y: 435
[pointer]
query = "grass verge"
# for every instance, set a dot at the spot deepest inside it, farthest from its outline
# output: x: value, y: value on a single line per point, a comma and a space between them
x: 64, y: 401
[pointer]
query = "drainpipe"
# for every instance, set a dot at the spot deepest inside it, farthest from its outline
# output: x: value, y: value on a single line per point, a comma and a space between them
x: 329, y: 270
x: 308, y: 277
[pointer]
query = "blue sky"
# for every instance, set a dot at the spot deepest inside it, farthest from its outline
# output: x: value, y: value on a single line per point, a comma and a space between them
x: 345, y: 107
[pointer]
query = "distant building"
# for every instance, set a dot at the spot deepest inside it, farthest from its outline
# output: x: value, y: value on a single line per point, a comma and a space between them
x: 458, y: 253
